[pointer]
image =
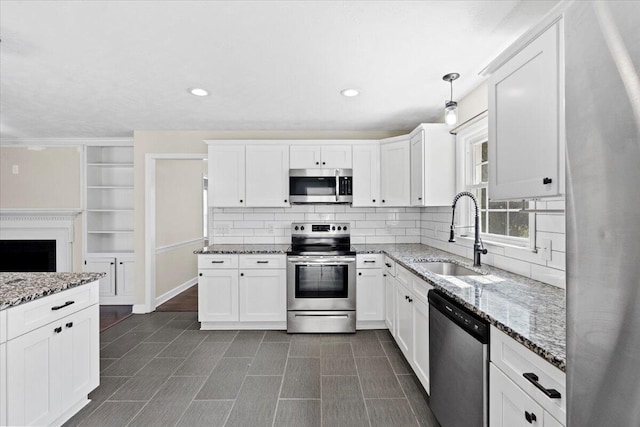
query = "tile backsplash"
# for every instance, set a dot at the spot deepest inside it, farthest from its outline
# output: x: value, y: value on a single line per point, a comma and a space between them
x: 429, y: 226
x: 273, y: 225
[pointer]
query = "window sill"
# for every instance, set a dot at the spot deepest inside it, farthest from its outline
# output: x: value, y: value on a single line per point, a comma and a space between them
x: 500, y: 243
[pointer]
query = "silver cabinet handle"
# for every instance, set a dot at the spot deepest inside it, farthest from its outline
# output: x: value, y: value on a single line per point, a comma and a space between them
x: 262, y: 262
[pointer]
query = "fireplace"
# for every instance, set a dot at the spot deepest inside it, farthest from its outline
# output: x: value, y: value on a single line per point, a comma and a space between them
x: 27, y: 255
x: 23, y: 234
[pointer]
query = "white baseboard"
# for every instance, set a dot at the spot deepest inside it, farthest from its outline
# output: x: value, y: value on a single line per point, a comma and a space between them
x: 140, y: 309
x: 175, y: 291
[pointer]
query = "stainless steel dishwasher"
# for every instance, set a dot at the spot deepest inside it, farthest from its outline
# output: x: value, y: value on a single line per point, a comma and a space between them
x: 458, y: 364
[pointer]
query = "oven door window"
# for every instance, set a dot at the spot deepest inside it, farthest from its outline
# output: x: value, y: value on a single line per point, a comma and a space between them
x: 312, y: 186
x: 322, y: 281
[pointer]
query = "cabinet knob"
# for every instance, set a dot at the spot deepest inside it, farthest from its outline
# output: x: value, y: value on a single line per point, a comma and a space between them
x: 359, y: 274
x: 419, y: 198
x: 374, y: 200
x: 547, y: 181
x: 384, y: 275
x: 406, y: 297
x: 112, y: 263
x: 69, y: 325
x: 242, y: 274
x: 530, y: 417
x: 58, y: 329
x: 382, y: 200
x: 285, y: 200
x: 120, y: 262
x: 410, y: 299
x: 324, y: 163
x: 200, y: 274
x: 317, y: 163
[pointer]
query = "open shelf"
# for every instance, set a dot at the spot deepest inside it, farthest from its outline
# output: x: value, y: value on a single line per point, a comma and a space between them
x: 111, y: 165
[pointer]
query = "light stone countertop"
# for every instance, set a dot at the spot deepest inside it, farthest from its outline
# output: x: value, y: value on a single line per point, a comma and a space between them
x: 531, y: 312
x: 19, y: 288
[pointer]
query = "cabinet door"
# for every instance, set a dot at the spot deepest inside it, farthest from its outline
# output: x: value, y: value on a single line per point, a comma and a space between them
x: 218, y: 295
x: 395, y: 180
x: 389, y: 302
x: 124, y: 277
x: 370, y: 290
x: 34, y: 377
x: 525, y: 118
x: 366, y: 175
x: 439, y: 169
x: 103, y: 265
x: 336, y: 156
x: 263, y: 295
x: 304, y: 156
x: 3, y: 384
x: 226, y: 176
x: 80, y: 355
x: 417, y: 169
x: 421, y: 342
x: 404, y: 316
x: 508, y: 404
x: 267, y: 175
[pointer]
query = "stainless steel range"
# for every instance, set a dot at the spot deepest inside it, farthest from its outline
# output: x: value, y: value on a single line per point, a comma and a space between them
x: 321, y: 279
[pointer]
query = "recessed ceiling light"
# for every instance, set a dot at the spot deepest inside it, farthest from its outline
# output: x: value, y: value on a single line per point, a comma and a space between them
x: 349, y: 92
x: 198, y: 91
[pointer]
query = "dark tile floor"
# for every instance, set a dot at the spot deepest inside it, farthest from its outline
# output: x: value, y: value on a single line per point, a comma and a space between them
x: 160, y: 370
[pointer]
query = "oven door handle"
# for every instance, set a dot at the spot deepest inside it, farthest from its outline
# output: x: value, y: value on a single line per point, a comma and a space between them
x: 337, y: 184
x: 323, y: 260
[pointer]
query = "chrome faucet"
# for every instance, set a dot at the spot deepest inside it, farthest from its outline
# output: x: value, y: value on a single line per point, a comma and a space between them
x: 478, y: 247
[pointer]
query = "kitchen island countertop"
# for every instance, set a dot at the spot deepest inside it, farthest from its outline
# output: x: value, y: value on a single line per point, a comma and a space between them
x: 19, y: 288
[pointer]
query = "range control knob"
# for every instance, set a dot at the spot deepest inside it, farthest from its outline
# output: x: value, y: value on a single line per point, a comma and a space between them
x: 339, y: 228
x: 344, y: 228
x: 302, y: 227
x: 333, y: 228
x: 297, y: 227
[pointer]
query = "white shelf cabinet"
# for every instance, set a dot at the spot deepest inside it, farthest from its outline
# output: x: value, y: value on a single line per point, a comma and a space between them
x: 263, y: 295
x: 50, y: 369
x: 366, y: 175
x: 395, y: 172
x: 267, y: 175
x: 526, y: 121
x: 109, y: 198
x: 218, y: 295
x: 432, y: 165
x: 334, y: 156
x: 117, y: 287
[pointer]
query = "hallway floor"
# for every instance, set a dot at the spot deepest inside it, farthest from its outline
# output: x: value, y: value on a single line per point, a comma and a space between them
x: 159, y: 369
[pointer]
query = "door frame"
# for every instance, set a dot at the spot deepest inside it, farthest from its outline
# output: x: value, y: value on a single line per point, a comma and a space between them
x: 150, y: 224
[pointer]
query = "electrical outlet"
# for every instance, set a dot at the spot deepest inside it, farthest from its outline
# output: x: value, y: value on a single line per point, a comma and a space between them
x: 15, y: 169
x: 545, y: 249
x: 270, y: 229
x: 223, y: 228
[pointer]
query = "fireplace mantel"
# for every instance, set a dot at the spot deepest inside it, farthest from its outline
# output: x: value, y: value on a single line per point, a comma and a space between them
x: 42, y: 224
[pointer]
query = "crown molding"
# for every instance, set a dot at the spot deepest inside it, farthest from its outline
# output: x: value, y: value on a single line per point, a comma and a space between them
x: 56, y: 142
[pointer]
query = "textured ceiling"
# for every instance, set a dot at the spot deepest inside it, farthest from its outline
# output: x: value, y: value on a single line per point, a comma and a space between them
x: 107, y: 68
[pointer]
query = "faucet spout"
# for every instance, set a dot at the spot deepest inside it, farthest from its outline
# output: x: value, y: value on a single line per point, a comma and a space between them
x: 478, y: 247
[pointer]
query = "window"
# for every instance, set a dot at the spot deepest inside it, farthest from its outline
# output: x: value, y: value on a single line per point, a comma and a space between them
x: 499, y: 221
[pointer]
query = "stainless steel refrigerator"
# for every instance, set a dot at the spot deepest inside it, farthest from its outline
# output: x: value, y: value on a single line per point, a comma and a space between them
x: 602, y: 66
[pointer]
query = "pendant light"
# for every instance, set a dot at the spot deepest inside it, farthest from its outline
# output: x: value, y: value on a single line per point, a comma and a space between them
x: 450, y: 107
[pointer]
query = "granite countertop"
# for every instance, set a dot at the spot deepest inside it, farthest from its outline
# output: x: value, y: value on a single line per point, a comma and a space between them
x: 243, y: 249
x: 18, y: 288
x: 531, y: 312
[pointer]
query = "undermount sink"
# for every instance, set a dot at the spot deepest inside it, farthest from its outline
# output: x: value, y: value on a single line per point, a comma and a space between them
x: 447, y: 268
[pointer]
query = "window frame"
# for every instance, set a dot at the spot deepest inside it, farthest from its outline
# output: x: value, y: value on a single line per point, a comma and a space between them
x: 465, y: 139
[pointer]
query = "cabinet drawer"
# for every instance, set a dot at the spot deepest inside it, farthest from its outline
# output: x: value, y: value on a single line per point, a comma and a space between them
x: 3, y: 328
x: 217, y: 261
x: 404, y: 277
x: 29, y: 316
x: 390, y: 266
x: 369, y: 261
x: 263, y: 261
x: 515, y: 360
x: 421, y: 288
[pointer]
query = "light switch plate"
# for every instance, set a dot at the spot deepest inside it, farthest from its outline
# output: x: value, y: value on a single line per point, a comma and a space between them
x: 15, y: 169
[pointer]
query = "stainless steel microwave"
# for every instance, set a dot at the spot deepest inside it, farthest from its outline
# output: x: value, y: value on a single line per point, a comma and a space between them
x: 320, y: 185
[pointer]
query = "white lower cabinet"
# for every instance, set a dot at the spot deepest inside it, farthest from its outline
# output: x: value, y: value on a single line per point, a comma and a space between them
x: 370, y: 291
x: 513, y: 399
x: 218, y: 295
x: 404, y: 317
x: 263, y: 295
x: 389, y: 303
x: 117, y: 287
x: 3, y: 384
x: 50, y: 370
x: 420, y: 354
x: 242, y: 291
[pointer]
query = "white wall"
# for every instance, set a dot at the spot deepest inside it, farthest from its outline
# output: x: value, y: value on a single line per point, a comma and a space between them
x: 368, y: 225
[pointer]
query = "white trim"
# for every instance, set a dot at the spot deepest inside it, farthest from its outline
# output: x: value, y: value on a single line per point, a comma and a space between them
x: 139, y: 309
x: 224, y: 326
x: 150, y: 249
x: 175, y: 291
x: 48, y: 142
x: 370, y: 324
x: 167, y: 248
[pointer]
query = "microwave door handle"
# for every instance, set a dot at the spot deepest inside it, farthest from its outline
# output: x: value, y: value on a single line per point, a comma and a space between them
x: 337, y: 183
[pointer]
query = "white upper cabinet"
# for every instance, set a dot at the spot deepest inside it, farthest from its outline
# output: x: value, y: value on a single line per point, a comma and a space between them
x: 267, y: 175
x: 226, y: 175
x: 335, y: 156
x: 395, y: 173
x: 526, y: 121
x: 366, y: 174
x: 432, y: 165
